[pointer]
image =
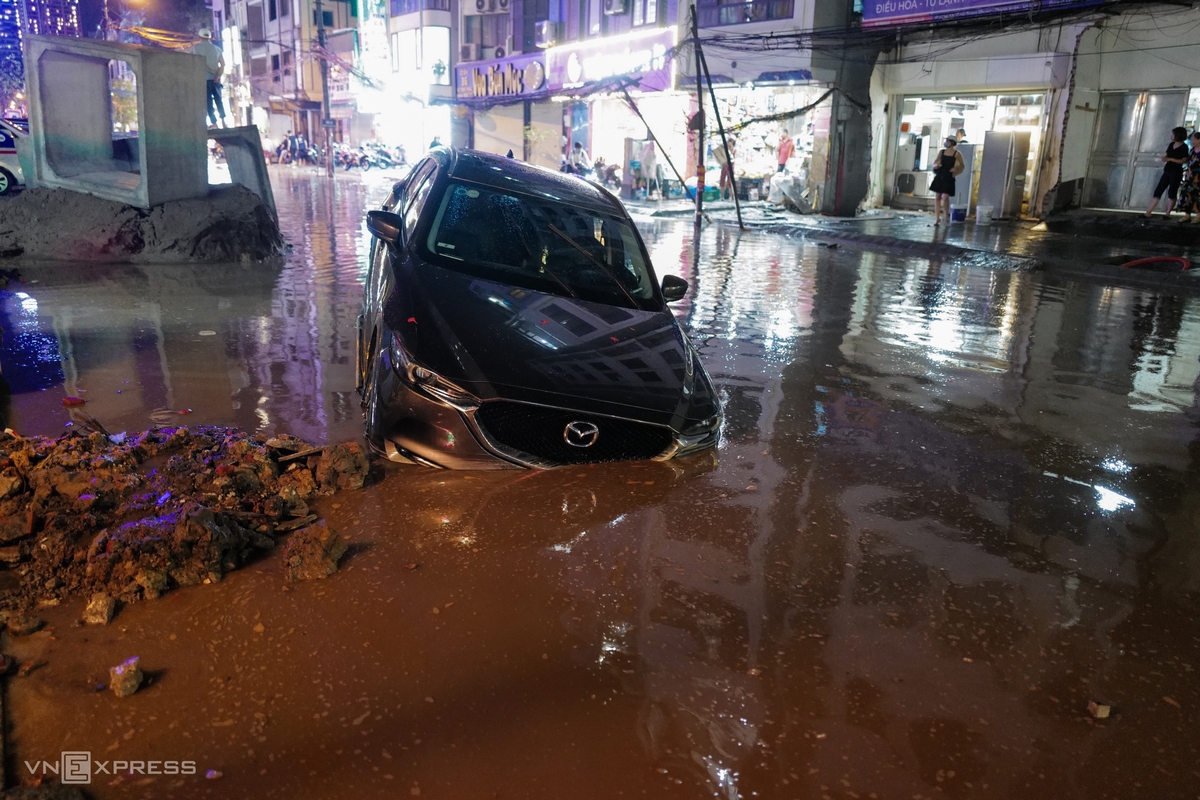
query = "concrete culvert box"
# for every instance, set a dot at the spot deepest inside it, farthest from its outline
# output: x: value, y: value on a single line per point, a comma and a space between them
x: 71, y: 121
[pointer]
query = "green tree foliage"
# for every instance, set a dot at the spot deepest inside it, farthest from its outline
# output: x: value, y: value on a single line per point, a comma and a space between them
x: 12, y: 75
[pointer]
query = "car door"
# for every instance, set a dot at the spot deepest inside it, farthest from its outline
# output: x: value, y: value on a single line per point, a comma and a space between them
x: 380, y: 278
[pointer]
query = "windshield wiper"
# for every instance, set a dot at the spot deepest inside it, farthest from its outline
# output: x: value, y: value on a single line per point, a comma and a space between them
x: 597, y: 262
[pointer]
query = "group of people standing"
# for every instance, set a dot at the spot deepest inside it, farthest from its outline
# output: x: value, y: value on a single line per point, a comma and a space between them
x: 1180, y: 179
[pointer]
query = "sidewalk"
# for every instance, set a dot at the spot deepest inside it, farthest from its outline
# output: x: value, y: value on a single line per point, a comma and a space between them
x: 1077, y: 244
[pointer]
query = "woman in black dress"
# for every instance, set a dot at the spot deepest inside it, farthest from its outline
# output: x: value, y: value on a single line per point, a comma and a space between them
x: 947, y: 165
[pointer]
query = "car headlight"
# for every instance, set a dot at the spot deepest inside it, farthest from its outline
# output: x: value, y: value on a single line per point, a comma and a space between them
x: 426, y: 379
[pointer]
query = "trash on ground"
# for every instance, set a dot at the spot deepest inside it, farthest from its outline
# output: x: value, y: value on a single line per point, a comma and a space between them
x: 1099, y: 710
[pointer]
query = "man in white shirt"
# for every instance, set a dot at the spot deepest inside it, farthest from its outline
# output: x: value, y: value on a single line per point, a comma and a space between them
x: 214, y: 66
x: 578, y: 160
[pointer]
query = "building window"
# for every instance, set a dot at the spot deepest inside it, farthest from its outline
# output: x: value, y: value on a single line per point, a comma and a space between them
x: 645, y: 12
x: 271, y: 10
x: 284, y: 7
x: 395, y: 52
x: 401, y: 7
x: 714, y: 13
x: 593, y: 17
x: 326, y: 19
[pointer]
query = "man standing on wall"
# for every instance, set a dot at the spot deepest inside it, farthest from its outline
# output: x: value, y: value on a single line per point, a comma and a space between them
x: 214, y: 65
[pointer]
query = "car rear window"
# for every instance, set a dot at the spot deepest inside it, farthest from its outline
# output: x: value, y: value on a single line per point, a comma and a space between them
x: 540, y: 244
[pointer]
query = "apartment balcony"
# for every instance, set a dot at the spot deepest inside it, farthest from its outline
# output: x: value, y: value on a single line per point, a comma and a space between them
x: 410, y: 14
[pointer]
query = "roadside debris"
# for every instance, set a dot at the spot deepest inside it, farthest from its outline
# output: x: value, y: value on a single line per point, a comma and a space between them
x: 126, y: 678
x: 231, y: 224
x: 313, y: 553
x: 100, y: 609
x: 133, y: 516
x: 23, y: 624
x: 1099, y: 710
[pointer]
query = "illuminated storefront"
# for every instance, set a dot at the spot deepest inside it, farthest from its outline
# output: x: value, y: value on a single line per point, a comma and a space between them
x: 603, y: 121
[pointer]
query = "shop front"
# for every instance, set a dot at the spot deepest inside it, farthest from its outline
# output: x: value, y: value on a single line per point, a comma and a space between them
x: 602, y: 120
x: 1132, y: 131
x: 508, y: 109
x: 756, y: 115
x: 925, y: 121
x: 1124, y: 103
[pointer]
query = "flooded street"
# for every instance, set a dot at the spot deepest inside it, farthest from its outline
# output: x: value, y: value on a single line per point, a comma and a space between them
x: 951, y: 507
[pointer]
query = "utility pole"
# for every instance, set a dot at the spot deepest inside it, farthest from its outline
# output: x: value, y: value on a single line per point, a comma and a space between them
x: 699, y: 119
x: 326, y: 122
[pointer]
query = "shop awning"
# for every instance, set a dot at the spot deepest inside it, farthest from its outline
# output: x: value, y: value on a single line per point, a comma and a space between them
x: 763, y: 79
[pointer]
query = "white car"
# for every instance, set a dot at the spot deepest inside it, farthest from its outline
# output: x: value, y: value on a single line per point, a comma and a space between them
x: 10, y: 168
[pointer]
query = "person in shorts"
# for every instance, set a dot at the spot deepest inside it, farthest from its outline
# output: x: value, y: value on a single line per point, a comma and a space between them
x: 1172, y: 176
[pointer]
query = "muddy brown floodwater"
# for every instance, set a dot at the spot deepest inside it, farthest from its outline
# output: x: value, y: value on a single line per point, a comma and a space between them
x: 951, y: 507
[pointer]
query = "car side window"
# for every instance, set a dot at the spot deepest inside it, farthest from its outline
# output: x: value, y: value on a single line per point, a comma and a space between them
x: 412, y: 213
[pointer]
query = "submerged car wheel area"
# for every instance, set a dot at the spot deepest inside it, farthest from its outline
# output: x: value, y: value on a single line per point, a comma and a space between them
x: 511, y: 318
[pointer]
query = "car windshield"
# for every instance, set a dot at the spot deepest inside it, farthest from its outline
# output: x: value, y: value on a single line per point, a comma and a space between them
x: 540, y: 244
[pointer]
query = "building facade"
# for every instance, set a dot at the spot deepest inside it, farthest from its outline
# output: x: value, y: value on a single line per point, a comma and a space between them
x: 52, y: 17
x: 1085, y: 103
x: 535, y: 77
x: 273, y: 64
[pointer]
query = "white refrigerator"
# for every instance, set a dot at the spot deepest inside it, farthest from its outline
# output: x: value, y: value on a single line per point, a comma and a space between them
x: 1003, y: 172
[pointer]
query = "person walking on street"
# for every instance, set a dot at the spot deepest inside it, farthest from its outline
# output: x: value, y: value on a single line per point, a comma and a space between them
x: 948, y: 165
x: 1189, y: 188
x: 1172, y: 175
x: 214, y: 67
x: 785, y: 150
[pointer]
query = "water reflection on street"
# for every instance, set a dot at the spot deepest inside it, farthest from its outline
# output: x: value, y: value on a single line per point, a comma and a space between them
x: 951, y: 506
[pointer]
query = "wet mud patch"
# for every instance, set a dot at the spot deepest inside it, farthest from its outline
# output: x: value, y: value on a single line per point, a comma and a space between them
x: 133, y: 517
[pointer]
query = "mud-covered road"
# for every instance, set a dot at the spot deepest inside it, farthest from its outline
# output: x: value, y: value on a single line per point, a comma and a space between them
x: 951, y: 506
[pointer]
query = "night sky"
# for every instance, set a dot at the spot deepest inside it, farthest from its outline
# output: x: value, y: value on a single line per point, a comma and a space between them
x: 90, y: 14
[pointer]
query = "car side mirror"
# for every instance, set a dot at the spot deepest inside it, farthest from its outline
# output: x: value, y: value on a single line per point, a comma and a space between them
x: 385, y: 226
x: 673, y: 288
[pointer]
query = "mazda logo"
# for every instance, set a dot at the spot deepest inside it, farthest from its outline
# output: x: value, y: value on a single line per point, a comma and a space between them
x: 581, y: 434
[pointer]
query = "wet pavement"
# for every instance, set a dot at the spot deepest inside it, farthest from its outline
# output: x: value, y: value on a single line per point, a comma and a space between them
x: 1083, y: 244
x: 951, y: 506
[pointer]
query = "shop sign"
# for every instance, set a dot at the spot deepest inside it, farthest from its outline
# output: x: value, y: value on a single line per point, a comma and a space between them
x: 900, y: 12
x: 641, y: 55
x: 505, y: 77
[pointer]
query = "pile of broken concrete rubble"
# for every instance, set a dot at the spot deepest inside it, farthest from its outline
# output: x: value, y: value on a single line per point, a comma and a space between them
x: 135, y: 516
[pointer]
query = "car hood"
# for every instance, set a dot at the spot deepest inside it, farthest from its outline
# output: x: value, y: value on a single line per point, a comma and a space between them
x: 501, y: 341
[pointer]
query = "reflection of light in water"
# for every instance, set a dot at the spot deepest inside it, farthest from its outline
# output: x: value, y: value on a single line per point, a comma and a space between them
x: 1116, y: 465
x: 28, y: 304
x: 724, y: 778
x: 1108, y: 500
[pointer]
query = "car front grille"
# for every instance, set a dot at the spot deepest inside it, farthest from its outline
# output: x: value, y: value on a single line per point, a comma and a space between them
x: 539, y: 432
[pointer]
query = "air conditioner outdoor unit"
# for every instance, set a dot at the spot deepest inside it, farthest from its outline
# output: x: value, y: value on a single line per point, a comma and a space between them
x: 545, y: 33
x: 477, y: 7
x: 469, y: 52
x: 612, y: 7
x: 502, y: 5
x: 499, y: 52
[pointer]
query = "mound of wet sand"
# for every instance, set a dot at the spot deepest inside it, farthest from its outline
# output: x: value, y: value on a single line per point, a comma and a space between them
x: 231, y: 224
x: 135, y: 516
